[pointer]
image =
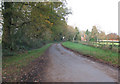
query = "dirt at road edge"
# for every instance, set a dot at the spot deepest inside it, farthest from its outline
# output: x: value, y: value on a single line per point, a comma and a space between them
x: 35, y: 70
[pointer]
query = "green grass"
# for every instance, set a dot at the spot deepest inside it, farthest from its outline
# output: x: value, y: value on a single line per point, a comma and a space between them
x: 13, y: 64
x: 98, y: 53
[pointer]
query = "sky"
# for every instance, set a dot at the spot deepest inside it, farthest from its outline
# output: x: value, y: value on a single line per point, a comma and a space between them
x: 87, y: 13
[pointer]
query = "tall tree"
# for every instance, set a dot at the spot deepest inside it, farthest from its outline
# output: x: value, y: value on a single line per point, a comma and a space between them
x: 94, y: 34
x: 101, y: 35
x: 88, y: 34
x: 76, y: 36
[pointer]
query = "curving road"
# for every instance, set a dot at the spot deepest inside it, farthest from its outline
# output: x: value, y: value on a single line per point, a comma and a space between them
x: 66, y: 66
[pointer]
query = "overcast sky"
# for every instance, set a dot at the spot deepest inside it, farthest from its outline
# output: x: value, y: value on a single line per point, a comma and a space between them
x: 87, y: 13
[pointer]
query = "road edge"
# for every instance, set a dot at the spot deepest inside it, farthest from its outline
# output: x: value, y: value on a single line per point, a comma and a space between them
x: 42, y: 61
x: 92, y: 58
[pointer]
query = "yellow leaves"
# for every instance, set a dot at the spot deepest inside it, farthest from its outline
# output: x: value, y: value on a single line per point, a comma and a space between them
x: 47, y: 21
x: 51, y: 24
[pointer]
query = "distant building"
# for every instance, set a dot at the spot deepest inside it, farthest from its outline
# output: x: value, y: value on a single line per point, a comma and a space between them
x: 83, y: 37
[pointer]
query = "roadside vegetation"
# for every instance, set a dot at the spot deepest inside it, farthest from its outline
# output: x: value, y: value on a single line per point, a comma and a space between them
x: 29, y: 26
x: 110, y: 46
x: 105, y: 55
x: 12, y: 65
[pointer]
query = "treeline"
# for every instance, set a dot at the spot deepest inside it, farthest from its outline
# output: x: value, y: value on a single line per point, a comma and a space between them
x: 96, y: 35
x: 32, y: 25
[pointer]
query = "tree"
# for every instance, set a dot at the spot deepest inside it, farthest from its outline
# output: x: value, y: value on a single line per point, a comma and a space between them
x: 101, y: 35
x: 94, y: 34
x: 76, y: 36
x: 88, y: 34
x: 112, y: 36
x: 69, y: 33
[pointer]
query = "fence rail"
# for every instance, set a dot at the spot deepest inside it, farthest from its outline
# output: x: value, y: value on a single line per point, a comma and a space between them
x: 113, y: 46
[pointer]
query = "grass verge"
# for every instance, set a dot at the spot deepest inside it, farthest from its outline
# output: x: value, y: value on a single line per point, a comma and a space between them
x: 12, y: 65
x: 103, y: 55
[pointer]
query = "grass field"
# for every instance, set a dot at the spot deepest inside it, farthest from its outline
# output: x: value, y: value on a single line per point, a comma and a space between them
x: 105, y: 55
x: 13, y: 64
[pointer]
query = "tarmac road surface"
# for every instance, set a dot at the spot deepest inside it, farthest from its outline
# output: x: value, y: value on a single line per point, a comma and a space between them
x: 67, y: 66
